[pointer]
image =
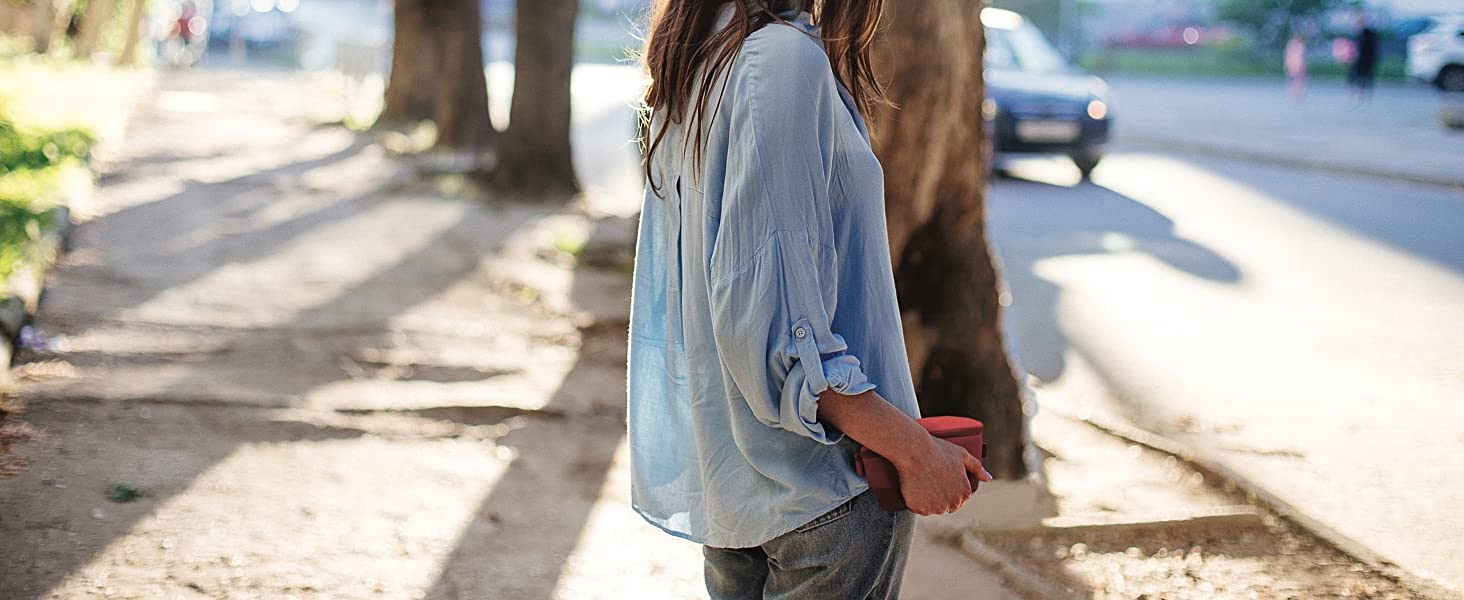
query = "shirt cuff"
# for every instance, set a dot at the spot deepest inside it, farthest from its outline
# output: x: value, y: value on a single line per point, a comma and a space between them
x: 840, y: 373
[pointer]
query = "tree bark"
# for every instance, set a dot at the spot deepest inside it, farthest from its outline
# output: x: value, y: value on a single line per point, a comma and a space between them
x: 98, y: 14
x: 535, y: 157
x: 43, y: 15
x: 930, y: 52
x: 62, y: 13
x: 460, y: 107
x: 410, y: 92
x: 10, y: 14
x: 133, y: 32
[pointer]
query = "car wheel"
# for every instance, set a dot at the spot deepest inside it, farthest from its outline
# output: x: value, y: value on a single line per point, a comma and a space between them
x: 1086, y: 162
x: 1451, y: 78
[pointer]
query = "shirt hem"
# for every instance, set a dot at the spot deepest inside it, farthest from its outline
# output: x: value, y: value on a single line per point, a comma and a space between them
x: 855, y: 490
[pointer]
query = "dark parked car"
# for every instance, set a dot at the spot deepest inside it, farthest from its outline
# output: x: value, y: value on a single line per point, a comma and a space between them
x: 1037, y: 100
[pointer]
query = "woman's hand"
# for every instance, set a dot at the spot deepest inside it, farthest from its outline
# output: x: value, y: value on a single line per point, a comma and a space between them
x: 932, y: 471
x: 933, y: 476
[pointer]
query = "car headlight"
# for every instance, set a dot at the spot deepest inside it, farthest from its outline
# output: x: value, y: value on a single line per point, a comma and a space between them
x: 1097, y: 109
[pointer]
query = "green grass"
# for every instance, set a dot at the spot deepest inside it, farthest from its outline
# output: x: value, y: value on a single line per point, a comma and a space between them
x: 44, y: 146
x: 1214, y: 61
x: 22, y: 150
x: 20, y: 227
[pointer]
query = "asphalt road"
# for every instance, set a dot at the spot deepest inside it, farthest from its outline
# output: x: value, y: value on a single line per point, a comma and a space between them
x: 1396, y: 133
x: 1305, y: 327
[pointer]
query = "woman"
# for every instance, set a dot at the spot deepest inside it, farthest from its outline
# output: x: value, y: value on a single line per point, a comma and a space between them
x: 1364, y: 61
x: 1294, y: 59
x: 765, y: 342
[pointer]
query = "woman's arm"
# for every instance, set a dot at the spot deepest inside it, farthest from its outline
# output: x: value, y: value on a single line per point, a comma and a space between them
x: 932, y: 471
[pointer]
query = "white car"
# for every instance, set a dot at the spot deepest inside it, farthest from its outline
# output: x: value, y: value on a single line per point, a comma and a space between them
x: 1436, y: 55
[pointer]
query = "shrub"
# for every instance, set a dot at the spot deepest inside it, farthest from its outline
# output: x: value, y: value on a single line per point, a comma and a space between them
x: 20, y: 149
x: 33, y: 169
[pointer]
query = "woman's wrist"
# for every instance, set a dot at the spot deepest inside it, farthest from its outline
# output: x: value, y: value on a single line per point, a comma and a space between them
x: 876, y: 424
x: 914, y: 446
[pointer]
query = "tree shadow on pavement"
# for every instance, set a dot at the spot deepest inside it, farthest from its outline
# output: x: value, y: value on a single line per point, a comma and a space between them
x: 188, y: 234
x: 55, y: 517
x: 1419, y: 220
x: 161, y: 443
x: 1032, y: 221
x: 165, y: 435
x: 84, y: 447
x: 522, y: 535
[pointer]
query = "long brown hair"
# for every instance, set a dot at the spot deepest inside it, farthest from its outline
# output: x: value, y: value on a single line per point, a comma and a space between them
x: 681, y: 43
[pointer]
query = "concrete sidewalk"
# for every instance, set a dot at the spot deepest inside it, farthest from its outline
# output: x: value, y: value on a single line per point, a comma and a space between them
x: 1397, y: 134
x: 292, y: 370
x: 1293, y: 326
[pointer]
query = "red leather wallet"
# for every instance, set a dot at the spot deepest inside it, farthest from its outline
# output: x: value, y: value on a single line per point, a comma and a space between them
x: 885, y: 481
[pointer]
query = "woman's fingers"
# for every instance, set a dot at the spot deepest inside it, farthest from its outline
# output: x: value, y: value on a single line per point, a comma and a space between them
x: 974, y: 465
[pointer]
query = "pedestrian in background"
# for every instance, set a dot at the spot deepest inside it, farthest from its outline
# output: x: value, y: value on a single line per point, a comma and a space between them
x: 1364, y: 62
x: 1295, y: 62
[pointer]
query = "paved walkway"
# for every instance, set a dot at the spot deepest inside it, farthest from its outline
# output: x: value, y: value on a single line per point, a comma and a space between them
x: 1397, y: 134
x: 325, y: 380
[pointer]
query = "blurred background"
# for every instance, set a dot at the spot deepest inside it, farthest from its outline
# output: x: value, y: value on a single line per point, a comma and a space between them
x: 327, y: 299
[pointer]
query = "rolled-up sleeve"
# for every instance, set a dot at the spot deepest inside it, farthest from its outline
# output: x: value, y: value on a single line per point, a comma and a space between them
x: 773, y: 271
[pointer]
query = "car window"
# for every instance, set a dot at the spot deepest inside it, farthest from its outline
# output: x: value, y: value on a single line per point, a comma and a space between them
x: 999, y: 50
x: 1022, y: 48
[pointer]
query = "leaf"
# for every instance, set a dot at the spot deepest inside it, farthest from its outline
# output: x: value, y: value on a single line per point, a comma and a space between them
x: 123, y: 493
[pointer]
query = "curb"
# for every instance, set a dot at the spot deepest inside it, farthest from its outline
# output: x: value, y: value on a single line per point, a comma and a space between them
x: 1212, y: 468
x: 1291, y: 161
x: 1019, y: 578
x: 24, y: 288
x: 1235, y: 517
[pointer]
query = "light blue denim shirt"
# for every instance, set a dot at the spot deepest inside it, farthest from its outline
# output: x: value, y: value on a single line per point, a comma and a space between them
x: 762, y: 278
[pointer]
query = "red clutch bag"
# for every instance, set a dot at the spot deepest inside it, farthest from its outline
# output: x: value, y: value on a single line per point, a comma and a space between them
x: 880, y: 472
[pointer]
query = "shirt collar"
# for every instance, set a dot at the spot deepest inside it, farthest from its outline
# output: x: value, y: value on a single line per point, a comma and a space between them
x: 798, y: 18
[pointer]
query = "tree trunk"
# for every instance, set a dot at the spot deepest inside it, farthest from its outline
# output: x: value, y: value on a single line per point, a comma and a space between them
x: 460, y: 109
x: 931, y: 54
x: 133, y: 32
x: 535, y: 157
x: 43, y: 15
x: 62, y: 15
x: 98, y: 14
x: 10, y: 15
x: 410, y: 91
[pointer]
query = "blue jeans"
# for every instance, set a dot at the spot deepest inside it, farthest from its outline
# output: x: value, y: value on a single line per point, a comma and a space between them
x: 854, y: 552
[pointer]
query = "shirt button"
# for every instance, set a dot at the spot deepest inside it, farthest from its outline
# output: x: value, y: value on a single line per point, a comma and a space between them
x: 800, y: 333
